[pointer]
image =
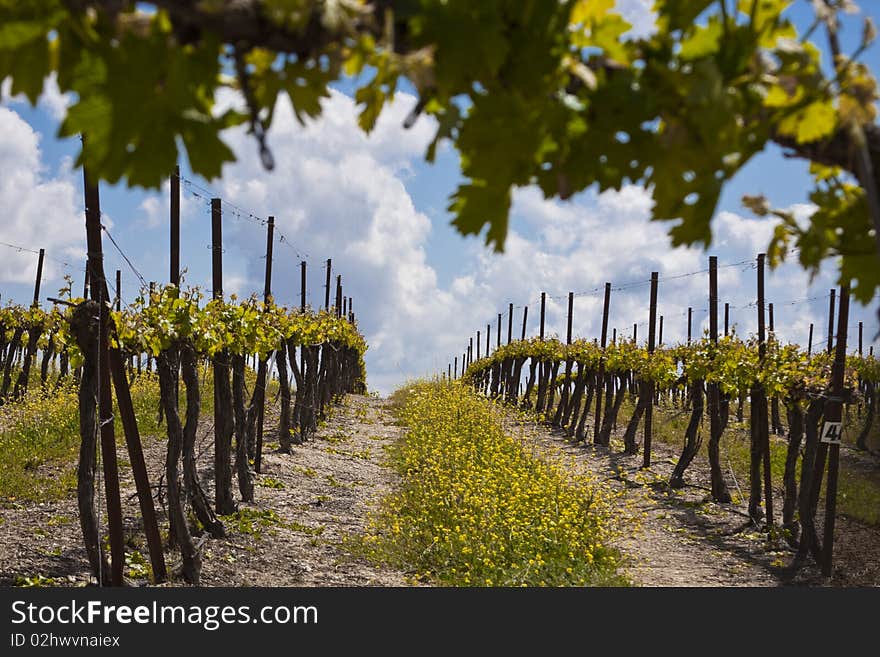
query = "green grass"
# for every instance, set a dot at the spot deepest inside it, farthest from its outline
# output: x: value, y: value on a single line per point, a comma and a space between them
x: 255, y: 522
x: 858, y: 492
x: 39, y: 439
x: 39, y: 434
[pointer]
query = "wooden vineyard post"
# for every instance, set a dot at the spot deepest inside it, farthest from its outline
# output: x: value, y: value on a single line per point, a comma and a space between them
x: 263, y: 366
x: 810, y: 342
x: 455, y: 368
x: 600, y: 377
x: 719, y: 487
x: 726, y: 319
x: 635, y: 333
x: 302, y: 308
x: 327, y: 286
x: 648, y: 386
x: 216, y: 250
x: 302, y: 286
x: 830, y: 344
x: 479, y: 343
x: 223, y: 500
x: 105, y: 400
x: 525, y: 319
x: 543, y: 310
x: 509, y: 323
x: 570, y: 317
x: 174, y: 277
x: 118, y: 300
x: 759, y: 413
x: 39, y: 279
x: 470, y: 350
x: 488, y: 335
x: 614, y: 336
x: 690, y: 322
x: 85, y: 294
x: 338, y: 295
x: 541, y: 364
x: 861, y: 327
x: 660, y: 334
x: 498, y: 337
x: 832, y: 427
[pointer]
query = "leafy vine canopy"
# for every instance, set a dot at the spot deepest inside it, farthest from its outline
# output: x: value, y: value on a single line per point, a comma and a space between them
x: 557, y: 94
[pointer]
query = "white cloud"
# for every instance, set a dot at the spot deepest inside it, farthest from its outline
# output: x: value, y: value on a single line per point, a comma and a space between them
x: 156, y: 208
x: 338, y: 193
x: 39, y: 211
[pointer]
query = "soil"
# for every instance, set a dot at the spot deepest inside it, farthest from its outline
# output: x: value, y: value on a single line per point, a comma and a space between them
x: 684, y: 539
x: 322, y: 492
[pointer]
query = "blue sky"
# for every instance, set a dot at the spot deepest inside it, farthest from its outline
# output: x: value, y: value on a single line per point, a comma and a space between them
x: 375, y: 207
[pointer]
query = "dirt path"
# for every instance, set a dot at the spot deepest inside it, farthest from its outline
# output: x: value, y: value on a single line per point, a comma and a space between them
x: 685, y: 539
x: 306, y: 502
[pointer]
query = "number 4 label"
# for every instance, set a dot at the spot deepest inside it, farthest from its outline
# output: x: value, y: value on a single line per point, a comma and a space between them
x: 831, y: 432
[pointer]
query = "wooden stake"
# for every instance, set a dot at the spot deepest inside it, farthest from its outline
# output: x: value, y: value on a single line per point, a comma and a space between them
x: 834, y: 413
x: 690, y: 322
x: 39, y: 278
x: 105, y: 398
x: 761, y: 413
x: 649, y: 389
x: 570, y: 317
x: 302, y: 286
x: 509, y: 323
x: 543, y: 309
x: 174, y: 274
x: 600, y: 378
x: 270, y: 237
x: 327, y: 287
x: 216, y: 249
x: 831, y: 320
x: 719, y: 487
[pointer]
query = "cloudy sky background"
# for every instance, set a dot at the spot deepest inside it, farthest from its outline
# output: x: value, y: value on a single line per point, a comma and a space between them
x: 372, y: 205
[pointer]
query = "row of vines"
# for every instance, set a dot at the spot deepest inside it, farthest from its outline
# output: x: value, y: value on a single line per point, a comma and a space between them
x: 566, y: 382
x: 172, y: 334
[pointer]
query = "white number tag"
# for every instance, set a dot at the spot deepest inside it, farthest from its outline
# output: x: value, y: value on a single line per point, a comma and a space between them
x: 831, y: 432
